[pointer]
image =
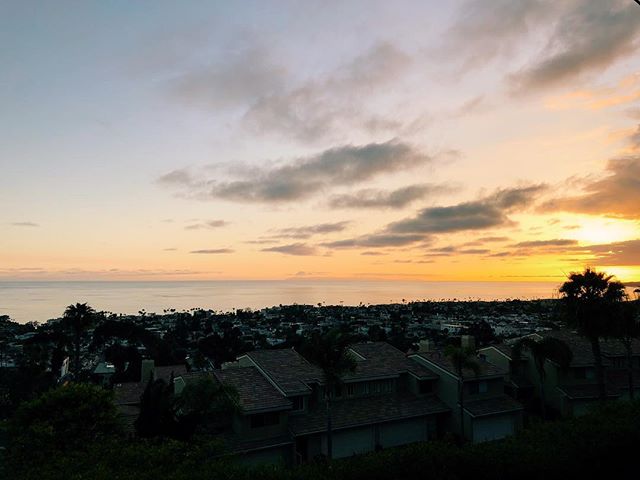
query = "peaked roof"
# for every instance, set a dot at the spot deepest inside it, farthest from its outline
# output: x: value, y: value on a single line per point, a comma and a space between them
x: 366, y: 411
x: 254, y: 391
x: 379, y: 359
x: 289, y: 370
x: 442, y: 361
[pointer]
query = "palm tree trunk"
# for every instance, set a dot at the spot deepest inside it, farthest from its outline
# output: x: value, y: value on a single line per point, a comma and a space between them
x: 597, y: 356
x: 329, y: 432
x: 627, y: 346
x: 543, y: 404
x: 461, y: 401
x: 76, y: 354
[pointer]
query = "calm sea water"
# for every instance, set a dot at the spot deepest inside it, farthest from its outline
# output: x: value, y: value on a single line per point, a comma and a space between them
x: 26, y: 301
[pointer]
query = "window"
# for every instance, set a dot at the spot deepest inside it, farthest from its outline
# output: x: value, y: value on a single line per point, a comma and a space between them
x: 580, y: 373
x: 377, y: 387
x: 338, y: 391
x: 351, y: 390
x: 483, y: 387
x: 265, y: 419
x: 477, y: 387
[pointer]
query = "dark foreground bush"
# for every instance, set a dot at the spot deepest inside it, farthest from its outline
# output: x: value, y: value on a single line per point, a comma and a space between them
x: 603, y: 444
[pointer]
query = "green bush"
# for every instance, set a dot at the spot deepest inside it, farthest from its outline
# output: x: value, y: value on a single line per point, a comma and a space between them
x: 599, y: 445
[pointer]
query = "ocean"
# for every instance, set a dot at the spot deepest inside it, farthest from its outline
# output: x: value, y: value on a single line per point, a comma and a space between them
x: 26, y: 301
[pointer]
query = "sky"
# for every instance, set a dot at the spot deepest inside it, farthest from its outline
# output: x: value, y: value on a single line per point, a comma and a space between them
x: 461, y: 140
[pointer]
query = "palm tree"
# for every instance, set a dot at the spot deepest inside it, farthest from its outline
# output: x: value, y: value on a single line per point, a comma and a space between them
x: 591, y: 299
x: 463, y: 359
x: 331, y: 353
x: 78, y: 318
x: 548, y: 348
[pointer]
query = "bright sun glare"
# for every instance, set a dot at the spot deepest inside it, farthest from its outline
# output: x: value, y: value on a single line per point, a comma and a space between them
x: 606, y: 230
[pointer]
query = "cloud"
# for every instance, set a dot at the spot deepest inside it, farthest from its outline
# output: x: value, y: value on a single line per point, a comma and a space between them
x: 488, y: 212
x: 211, y: 224
x: 373, y: 198
x: 300, y: 249
x: 304, y: 177
x: 451, y: 250
x: 616, y: 194
x: 620, y: 253
x: 376, y: 240
x: 489, y: 29
x: 325, y: 105
x: 556, y: 242
x: 25, y: 224
x: 493, y: 239
x: 311, y: 230
x: 212, y: 251
x: 589, y: 37
x: 244, y: 76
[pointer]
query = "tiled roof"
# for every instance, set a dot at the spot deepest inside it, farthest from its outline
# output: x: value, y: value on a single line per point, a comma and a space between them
x: 506, y: 350
x: 366, y: 411
x: 254, y: 391
x: 238, y: 444
x: 164, y: 373
x: 288, y: 369
x: 586, y: 391
x: 615, y: 348
x: 580, y: 346
x: 379, y: 359
x: 441, y: 360
x: 492, y: 406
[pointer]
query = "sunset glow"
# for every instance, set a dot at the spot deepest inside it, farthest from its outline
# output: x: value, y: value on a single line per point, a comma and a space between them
x: 420, y: 140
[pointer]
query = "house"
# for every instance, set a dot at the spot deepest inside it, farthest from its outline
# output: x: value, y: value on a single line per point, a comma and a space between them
x: 488, y: 413
x: 387, y: 401
x: 573, y: 390
x: 517, y: 382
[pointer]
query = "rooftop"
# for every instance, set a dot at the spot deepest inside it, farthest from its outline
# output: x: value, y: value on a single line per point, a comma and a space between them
x: 365, y: 411
x: 441, y: 360
x: 379, y: 359
x: 254, y: 391
x: 492, y: 406
x: 289, y: 370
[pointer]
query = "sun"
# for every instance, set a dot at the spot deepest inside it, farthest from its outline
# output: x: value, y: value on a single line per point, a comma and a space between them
x: 606, y: 230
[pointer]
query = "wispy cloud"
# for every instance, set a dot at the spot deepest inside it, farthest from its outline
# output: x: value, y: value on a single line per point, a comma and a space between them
x: 299, y: 249
x: 212, y: 251
x: 308, y: 231
x: 25, y: 224
x: 615, y: 194
x: 589, y: 37
x: 304, y: 177
x: 399, y: 198
x: 211, y: 224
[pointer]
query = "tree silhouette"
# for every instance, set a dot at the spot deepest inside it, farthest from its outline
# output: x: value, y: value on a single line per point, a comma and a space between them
x: 548, y: 348
x: 78, y: 318
x: 331, y: 353
x: 591, y: 300
x: 462, y: 359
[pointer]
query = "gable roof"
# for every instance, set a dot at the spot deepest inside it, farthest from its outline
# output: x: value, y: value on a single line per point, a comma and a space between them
x: 366, y: 411
x: 255, y: 393
x: 289, y: 370
x: 380, y: 359
x: 440, y: 360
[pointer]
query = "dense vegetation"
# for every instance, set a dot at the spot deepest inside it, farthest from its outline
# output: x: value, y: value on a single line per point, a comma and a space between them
x: 85, y: 444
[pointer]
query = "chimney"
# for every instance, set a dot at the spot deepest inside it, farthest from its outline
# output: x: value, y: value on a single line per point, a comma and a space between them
x: 147, y: 370
x: 468, y: 341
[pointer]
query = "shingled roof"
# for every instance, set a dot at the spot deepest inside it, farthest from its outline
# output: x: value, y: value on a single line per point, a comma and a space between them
x: 289, y: 370
x: 366, y: 411
x: 254, y: 391
x: 492, y: 406
x: 379, y: 359
x: 444, y: 362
